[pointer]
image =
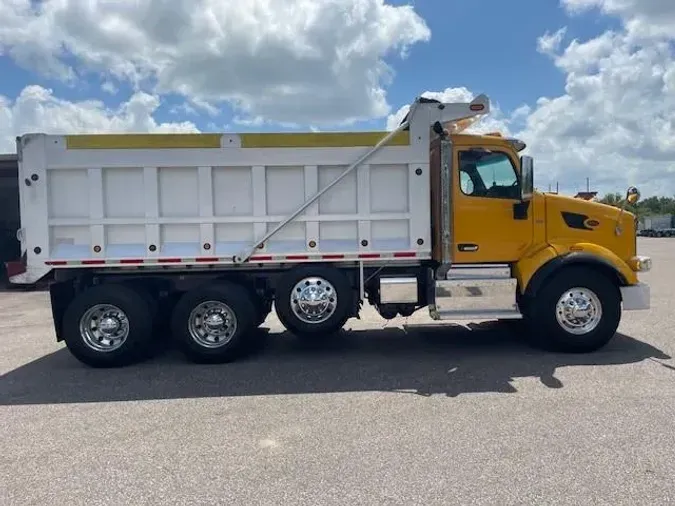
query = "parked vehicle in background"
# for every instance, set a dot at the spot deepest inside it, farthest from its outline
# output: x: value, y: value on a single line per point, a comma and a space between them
x: 661, y: 225
x: 212, y: 230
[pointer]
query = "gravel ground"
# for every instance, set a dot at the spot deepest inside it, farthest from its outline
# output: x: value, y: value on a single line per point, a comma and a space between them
x: 389, y: 414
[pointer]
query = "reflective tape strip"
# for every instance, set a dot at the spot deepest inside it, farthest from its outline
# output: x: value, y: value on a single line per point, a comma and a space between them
x: 174, y: 261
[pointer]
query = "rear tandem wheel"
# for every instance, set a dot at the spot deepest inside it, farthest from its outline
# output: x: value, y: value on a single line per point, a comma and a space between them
x: 313, y: 301
x: 211, y: 324
x: 109, y: 326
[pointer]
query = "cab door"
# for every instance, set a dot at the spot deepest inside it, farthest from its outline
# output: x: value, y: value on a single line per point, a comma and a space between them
x: 490, y: 224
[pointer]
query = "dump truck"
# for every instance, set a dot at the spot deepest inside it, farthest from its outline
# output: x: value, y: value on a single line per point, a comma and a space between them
x: 204, y: 235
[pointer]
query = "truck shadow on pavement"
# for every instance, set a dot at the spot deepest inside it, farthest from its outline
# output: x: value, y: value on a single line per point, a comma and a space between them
x: 450, y: 361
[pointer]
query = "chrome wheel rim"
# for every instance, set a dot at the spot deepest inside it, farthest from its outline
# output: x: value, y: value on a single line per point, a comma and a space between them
x: 313, y: 300
x: 212, y: 324
x: 104, y: 327
x: 579, y: 311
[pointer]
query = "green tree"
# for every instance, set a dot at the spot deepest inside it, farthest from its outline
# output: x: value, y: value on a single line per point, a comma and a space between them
x: 617, y: 200
x: 647, y: 207
x: 612, y: 199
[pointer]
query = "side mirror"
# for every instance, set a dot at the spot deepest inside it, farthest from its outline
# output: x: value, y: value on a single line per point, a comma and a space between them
x: 632, y: 195
x: 526, y: 178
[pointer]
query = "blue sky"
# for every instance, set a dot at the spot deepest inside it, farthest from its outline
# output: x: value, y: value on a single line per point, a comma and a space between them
x: 503, y: 61
x: 609, y: 76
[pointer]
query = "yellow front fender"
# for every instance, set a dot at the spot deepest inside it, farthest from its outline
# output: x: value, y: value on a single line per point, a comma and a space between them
x: 608, y: 256
x: 532, y: 269
x: 530, y: 263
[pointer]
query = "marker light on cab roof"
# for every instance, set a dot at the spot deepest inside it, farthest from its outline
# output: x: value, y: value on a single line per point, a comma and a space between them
x: 517, y: 144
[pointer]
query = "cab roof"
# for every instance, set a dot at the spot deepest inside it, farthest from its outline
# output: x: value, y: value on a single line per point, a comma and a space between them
x: 468, y: 138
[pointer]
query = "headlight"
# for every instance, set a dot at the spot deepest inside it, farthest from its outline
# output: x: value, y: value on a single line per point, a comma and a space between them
x: 640, y: 264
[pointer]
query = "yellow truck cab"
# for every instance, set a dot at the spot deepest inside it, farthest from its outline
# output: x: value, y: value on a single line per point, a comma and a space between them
x: 574, y: 262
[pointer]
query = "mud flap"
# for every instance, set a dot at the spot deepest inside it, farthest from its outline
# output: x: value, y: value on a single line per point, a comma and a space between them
x: 61, y: 295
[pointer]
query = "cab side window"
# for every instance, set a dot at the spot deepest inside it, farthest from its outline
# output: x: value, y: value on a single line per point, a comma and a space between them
x: 488, y: 174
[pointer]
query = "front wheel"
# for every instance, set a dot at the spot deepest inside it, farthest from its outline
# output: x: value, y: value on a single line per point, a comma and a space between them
x: 577, y: 311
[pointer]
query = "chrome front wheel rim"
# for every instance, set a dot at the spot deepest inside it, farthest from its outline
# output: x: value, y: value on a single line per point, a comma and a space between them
x: 579, y: 311
x: 212, y: 324
x: 313, y: 300
x: 104, y: 327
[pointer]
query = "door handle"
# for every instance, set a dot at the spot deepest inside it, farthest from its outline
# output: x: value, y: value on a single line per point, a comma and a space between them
x: 467, y: 247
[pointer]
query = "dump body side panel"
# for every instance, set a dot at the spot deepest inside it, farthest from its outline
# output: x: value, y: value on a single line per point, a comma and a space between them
x: 126, y: 200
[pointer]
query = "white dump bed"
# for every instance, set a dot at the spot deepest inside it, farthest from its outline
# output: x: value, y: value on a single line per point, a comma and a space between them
x: 93, y: 200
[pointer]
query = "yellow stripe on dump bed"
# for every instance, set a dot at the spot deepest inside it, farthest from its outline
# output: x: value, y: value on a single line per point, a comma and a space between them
x: 320, y: 139
x: 143, y: 141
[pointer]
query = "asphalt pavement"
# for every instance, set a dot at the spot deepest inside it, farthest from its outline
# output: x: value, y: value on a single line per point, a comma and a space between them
x: 390, y: 413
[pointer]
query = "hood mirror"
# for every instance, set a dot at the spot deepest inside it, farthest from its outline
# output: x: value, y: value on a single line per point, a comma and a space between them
x: 632, y: 195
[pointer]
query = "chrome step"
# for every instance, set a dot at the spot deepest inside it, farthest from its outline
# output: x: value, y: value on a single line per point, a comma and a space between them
x: 483, y: 292
x: 479, y: 271
x: 483, y: 314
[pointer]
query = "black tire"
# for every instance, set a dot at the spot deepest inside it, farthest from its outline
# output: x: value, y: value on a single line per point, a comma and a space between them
x: 138, y: 311
x: 145, y: 292
x: 160, y: 327
x: 334, y: 322
x: 544, y: 329
x: 232, y: 346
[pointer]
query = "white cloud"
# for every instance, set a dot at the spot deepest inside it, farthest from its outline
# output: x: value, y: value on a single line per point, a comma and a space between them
x: 643, y: 18
x: 258, y: 121
x: 323, y: 63
x: 193, y: 107
x: 36, y: 109
x: 550, y: 42
x: 587, y: 56
x: 615, y: 123
x: 521, y: 112
x: 285, y: 60
x: 109, y: 87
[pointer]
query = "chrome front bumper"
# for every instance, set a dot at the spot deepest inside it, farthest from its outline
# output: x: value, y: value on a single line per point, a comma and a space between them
x: 636, y: 297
